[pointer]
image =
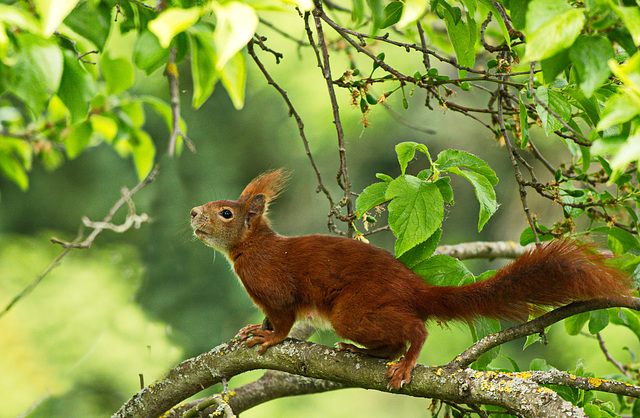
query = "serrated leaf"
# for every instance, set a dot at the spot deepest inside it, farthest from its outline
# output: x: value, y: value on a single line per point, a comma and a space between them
x: 443, y: 270
x: 173, y: 21
x: 463, y: 38
x: 407, y: 150
x: 484, y: 192
x: 416, y: 211
x: 556, y: 34
x: 421, y: 252
x: 371, y: 197
x: 235, y: 26
x: 450, y: 158
x: 118, y: 74
x: 78, y: 139
x: 589, y: 55
x: 557, y: 103
x: 574, y: 324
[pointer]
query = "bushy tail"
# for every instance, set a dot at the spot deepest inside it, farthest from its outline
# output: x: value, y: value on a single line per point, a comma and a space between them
x: 552, y: 275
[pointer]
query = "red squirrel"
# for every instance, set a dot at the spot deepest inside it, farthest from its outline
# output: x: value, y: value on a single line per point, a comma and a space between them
x: 370, y: 297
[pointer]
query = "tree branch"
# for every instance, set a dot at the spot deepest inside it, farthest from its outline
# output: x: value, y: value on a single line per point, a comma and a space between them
x: 518, y: 392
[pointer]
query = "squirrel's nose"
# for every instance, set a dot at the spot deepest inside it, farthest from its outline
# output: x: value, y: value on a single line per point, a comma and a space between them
x: 195, y: 212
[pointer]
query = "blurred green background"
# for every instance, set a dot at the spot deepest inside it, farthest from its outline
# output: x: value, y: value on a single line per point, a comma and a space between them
x: 143, y: 301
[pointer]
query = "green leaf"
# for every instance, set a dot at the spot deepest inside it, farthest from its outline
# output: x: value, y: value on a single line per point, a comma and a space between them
x: 539, y: 365
x: 105, y: 127
x: 484, y: 192
x: 589, y: 105
x: 554, y: 65
x: 416, y: 211
x: 357, y: 11
x: 598, y: 321
x: 407, y: 150
x: 421, y: 253
x: 492, y: 8
x: 37, y: 71
x: 92, y: 21
x: 627, y: 242
x: 626, y: 318
x: 412, y: 11
x: 15, y: 160
x: 478, y: 173
x: 463, y: 38
x: 118, y: 74
x: 173, y: 21
x: 628, y: 153
x: 203, y: 67
x: 377, y: 12
x: 589, y: 55
x: 143, y: 151
x: 77, y: 87
x: 78, y: 138
x: 164, y: 110
x: 526, y: 237
x: 235, y: 25
x: 445, y: 189
x: 618, y: 109
x: 450, y: 158
x: 132, y: 113
x: 234, y: 78
x: 371, y: 197
x: 52, y: 13
x: 557, y: 103
x: 392, y: 13
x: 148, y: 54
x: 443, y: 270
x: 556, y: 34
x: 573, y: 325
x: 631, y: 18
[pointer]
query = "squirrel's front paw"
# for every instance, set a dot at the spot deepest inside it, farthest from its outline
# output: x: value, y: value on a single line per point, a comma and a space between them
x: 246, y: 332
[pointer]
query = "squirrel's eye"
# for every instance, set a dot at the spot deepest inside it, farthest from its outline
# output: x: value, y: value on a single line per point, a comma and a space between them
x: 226, y: 214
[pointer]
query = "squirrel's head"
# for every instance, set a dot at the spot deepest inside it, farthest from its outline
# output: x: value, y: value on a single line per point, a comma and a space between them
x: 225, y: 224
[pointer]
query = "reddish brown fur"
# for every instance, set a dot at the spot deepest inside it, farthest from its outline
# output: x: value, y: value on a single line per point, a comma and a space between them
x: 370, y: 297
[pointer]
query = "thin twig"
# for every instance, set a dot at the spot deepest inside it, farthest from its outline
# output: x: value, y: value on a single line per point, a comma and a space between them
x: 296, y: 116
x: 607, y: 355
x: 76, y: 244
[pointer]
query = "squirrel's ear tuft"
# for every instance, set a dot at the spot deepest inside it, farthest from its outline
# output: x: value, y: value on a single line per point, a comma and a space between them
x: 269, y: 184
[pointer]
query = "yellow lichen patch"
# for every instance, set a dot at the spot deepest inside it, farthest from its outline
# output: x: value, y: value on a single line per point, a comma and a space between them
x: 595, y: 382
x: 439, y: 372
